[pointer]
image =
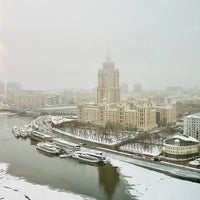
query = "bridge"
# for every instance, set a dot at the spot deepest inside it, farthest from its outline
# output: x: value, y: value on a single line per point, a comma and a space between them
x: 67, y: 110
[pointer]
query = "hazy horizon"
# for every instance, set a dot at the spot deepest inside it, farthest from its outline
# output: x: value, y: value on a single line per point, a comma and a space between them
x: 54, y: 44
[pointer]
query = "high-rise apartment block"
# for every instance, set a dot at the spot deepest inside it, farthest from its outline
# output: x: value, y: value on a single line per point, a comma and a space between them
x: 109, y: 109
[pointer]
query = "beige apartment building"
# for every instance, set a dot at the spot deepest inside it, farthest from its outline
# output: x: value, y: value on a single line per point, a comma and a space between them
x: 142, y: 118
x: 181, y: 147
x: 109, y: 109
x: 166, y: 114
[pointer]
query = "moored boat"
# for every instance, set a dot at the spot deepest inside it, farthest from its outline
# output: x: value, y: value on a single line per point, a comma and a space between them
x: 48, y: 147
x: 84, y: 157
x: 195, y: 163
x: 65, y: 155
x: 99, y: 155
x: 16, y: 131
x: 23, y: 133
x: 36, y: 135
x: 66, y: 144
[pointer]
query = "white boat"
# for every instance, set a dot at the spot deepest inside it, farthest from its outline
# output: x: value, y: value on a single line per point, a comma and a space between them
x: 29, y: 130
x: 23, y: 133
x: 99, y: 155
x: 48, y: 147
x: 36, y: 135
x: 16, y: 131
x: 84, y: 157
x: 65, y: 155
x: 195, y: 162
x: 66, y: 144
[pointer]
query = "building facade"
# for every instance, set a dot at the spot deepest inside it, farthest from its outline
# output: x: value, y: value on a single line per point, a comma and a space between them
x: 109, y: 110
x: 166, y: 114
x: 122, y: 116
x: 181, y: 147
x: 29, y: 100
x: 191, y: 125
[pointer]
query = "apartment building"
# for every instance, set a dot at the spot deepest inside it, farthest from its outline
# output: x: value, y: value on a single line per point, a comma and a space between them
x: 29, y: 100
x: 166, y: 113
x: 191, y: 125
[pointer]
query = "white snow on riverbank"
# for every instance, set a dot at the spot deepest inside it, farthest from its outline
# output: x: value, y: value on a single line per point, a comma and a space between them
x: 97, y: 138
x: 146, y: 184
x: 16, y: 188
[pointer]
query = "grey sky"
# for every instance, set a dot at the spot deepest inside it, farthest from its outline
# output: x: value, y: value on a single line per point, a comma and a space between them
x: 62, y: 43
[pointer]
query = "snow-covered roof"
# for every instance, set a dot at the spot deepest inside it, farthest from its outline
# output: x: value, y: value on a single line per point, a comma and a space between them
x: 195, y: 115
x: 184, y: 138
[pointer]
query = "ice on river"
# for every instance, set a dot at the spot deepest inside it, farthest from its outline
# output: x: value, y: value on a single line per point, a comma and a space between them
x: 17, y: 188
x: 146, y: 184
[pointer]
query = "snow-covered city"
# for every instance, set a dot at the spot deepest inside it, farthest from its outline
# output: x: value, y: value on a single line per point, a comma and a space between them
x: 99, y: 100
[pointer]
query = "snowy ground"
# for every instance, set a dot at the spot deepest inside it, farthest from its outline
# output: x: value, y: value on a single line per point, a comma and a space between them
x: 14, y: 188
x: 141, y: 148
x: 146, y: 184
x: 91, y: 135
x: 97, y: 138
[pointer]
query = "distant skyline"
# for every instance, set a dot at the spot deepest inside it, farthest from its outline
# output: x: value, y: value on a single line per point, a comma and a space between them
x: 55, y: 44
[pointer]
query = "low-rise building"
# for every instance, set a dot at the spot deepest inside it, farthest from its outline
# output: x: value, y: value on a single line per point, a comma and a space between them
x: 181, y: 147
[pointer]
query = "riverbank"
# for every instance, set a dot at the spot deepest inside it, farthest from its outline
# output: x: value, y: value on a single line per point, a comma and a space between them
x: 175, y: 170
x: 113, y: 181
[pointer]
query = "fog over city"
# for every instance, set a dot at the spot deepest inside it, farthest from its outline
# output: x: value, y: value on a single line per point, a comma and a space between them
x: 55, y: 44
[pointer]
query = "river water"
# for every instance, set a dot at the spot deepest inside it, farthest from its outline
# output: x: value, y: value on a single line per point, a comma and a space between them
x: 103, y: 182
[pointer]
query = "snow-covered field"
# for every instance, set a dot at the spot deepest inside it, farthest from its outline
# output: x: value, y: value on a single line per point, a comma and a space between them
x: 14, y: 188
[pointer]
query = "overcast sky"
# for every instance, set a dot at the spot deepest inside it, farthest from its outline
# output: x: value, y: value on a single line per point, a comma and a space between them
x: 53, y: 44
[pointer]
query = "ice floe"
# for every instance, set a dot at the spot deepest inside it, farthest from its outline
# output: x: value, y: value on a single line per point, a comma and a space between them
x: 146, y: 184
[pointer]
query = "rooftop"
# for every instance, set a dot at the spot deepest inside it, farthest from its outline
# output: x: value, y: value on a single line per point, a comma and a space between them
x: 183, y: 138
x: 195, y: 115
